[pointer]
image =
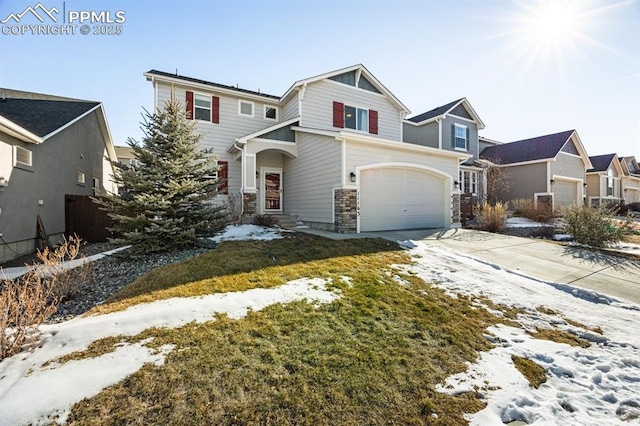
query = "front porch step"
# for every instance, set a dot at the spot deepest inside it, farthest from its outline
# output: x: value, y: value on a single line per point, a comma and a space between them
x: 285, y: 221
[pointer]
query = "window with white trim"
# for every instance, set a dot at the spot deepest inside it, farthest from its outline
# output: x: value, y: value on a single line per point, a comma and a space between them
x: 246, y: 108
x: 609, y: 183
x: 460, y: 136
x: 270, y: 112
x: 469, y: 182
x: 356, y: 118
x: 23, y: 156
x: 202, y: 107
x: 80, y: 178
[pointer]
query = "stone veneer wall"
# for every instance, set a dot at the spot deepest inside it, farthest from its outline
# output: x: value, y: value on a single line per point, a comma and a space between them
x: 249, y: 201
x: 346, y: 210
x: 455, y: 209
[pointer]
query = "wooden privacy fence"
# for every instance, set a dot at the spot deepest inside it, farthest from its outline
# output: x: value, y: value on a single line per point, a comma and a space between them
x: 85, y: 219
x: 467, y: 204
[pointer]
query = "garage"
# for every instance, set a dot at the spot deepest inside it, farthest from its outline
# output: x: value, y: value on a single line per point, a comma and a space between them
x: 402, y: 198
x: 565, y: 193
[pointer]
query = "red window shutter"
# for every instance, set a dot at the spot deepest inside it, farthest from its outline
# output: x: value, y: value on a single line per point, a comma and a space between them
x: 338, y: 114
x: 215, y: 109
x: 223, y: 177
x: 189, y: 105
x: 373, y: 122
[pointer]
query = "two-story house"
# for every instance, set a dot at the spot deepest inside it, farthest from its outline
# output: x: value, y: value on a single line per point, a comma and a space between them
x: 452, y: 127
x: 630, y: 180
x: 50, y: 147
x: 329, y: 151
x: 603, y: 180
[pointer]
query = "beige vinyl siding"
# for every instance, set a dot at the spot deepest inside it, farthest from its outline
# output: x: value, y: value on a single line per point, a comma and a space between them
x: 527, y: 180
x: 631, y: 189
x: 309, y: 179
x: 426, y: 134
x: 231, y: 127
x: 365, y: 153
x: 317, y: 107
x: 569, y: 166
x: 593, y: 185
x: 290, y: 108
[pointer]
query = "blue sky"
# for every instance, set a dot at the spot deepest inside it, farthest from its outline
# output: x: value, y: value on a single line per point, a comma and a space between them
x: 528, y: 67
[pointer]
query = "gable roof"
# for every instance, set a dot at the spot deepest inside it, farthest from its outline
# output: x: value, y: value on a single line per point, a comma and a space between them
x: 197, y: 81
x: 443, y: 110
x: 629, y: 161
x: 358, y: 68
x: 601, y: 162
x: 35, y: 117
x: 538, y: 148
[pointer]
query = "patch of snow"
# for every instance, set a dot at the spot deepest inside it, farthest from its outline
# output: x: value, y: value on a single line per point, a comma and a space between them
x: 523, y: 222
x: 247, y: 232
x: 406, y: 244
x: 31, y: 392
x: 562, y: 237
x: 589, y: 386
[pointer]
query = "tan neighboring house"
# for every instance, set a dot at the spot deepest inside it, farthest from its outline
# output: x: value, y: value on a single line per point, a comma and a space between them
x: 630, y: 180
x: 549, y: 169
x: 125, y: 155
x: 50, y: 147
x: 329, y: 151
x: 603, y: 180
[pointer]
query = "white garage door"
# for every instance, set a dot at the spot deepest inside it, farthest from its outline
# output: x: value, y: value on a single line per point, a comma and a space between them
x: 396, y: 198
x: 565, y: 193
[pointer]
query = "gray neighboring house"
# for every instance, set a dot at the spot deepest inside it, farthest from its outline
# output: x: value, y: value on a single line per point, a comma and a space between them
x: 550, y: 168
x: 329, y: 151
x: 604, y: 180
x: 50, y: 146
x: 451, y: 127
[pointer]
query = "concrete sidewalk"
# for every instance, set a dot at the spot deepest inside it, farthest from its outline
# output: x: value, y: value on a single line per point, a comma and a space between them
x: 612, y: 275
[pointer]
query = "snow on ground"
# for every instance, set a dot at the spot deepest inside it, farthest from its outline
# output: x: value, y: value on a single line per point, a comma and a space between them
x: 593, y: 386
x: 247, y: 232
x: 31, y: 392
x: 523, y: 222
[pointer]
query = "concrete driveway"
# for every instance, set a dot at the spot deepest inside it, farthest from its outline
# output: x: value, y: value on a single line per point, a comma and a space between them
x: 612, y: 275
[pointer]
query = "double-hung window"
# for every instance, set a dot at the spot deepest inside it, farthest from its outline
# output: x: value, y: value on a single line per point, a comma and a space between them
x: 469, y: 182
x: 610, y: 183
x: 23, y: 156
x: 460, y: 136
x: 356, y: 118
x: 202, y: 110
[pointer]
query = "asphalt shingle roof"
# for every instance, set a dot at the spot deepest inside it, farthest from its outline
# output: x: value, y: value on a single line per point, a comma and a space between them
x: 538, y: 148
x: 43, y: 116
x: 601, y: 162
x: 434, y: 112
x: 210, y: 83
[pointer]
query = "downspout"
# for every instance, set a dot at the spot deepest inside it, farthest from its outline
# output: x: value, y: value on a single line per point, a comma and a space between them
x: 300, y: 99
x: 242, y: 177
x: 439, y: 121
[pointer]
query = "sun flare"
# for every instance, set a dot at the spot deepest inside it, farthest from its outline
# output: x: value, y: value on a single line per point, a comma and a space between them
x: 555, y: 21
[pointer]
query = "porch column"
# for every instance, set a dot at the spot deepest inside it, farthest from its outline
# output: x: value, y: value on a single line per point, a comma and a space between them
x: 455, y: 209
x: 346, y: 210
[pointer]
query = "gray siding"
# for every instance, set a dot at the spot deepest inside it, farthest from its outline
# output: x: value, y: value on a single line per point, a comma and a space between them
x: 568, y: 166
x: 461, y: 111
x: 309, y: 179
x: 527, y: 180
x: 473, y: 145
x: 221, y: 136
x: 426, y: 135
x: 290, y: 108
x: 317, y: 107
x: 56, y: 162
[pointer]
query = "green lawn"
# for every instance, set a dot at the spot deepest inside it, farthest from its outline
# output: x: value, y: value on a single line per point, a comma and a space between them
x: 373, y: 356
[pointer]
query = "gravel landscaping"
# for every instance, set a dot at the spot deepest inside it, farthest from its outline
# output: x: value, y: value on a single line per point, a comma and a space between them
x: 112, y: 273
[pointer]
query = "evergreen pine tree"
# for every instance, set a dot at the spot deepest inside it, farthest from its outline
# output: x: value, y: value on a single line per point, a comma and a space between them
x: 164, y: 200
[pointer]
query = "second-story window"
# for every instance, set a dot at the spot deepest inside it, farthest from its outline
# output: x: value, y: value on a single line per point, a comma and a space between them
x: 460, y: 136
x: 610, y: 181
x: 356, y: 118
x: 202, y: 107
x: 270, y: 112
x: 245, y: 108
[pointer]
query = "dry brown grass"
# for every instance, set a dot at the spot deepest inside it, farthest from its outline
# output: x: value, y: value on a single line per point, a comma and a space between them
x: 534, y: 373
x: 374, y: 356
x: 560, y: 336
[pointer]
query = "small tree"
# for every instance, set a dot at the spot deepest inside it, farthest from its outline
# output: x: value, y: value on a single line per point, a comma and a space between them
x: 164, y: 201
x: 497, y: 182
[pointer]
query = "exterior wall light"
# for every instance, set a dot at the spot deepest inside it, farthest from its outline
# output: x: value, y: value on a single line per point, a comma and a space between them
x: 353, y: 177
x: 552, y: 181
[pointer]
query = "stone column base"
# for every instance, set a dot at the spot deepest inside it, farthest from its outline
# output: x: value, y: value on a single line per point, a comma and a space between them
x: 346, y: 210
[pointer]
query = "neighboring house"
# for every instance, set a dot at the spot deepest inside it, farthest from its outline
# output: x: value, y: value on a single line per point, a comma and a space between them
x: 630, y: 180
x: 549, y: 169
x: 329, y: 151
x: 603, y: 180
x: 452, y: 127
x: 124, y: 154
x: 50, y: 146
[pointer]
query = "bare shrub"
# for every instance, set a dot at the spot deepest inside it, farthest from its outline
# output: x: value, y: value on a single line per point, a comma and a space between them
x: 28, y: 301
x: 491, y: 218
x: 525, y: 207
x: 265, y: 220
x: 594, y: 226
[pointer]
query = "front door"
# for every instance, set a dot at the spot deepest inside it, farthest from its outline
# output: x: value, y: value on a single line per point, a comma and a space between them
x: 272, y: 190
